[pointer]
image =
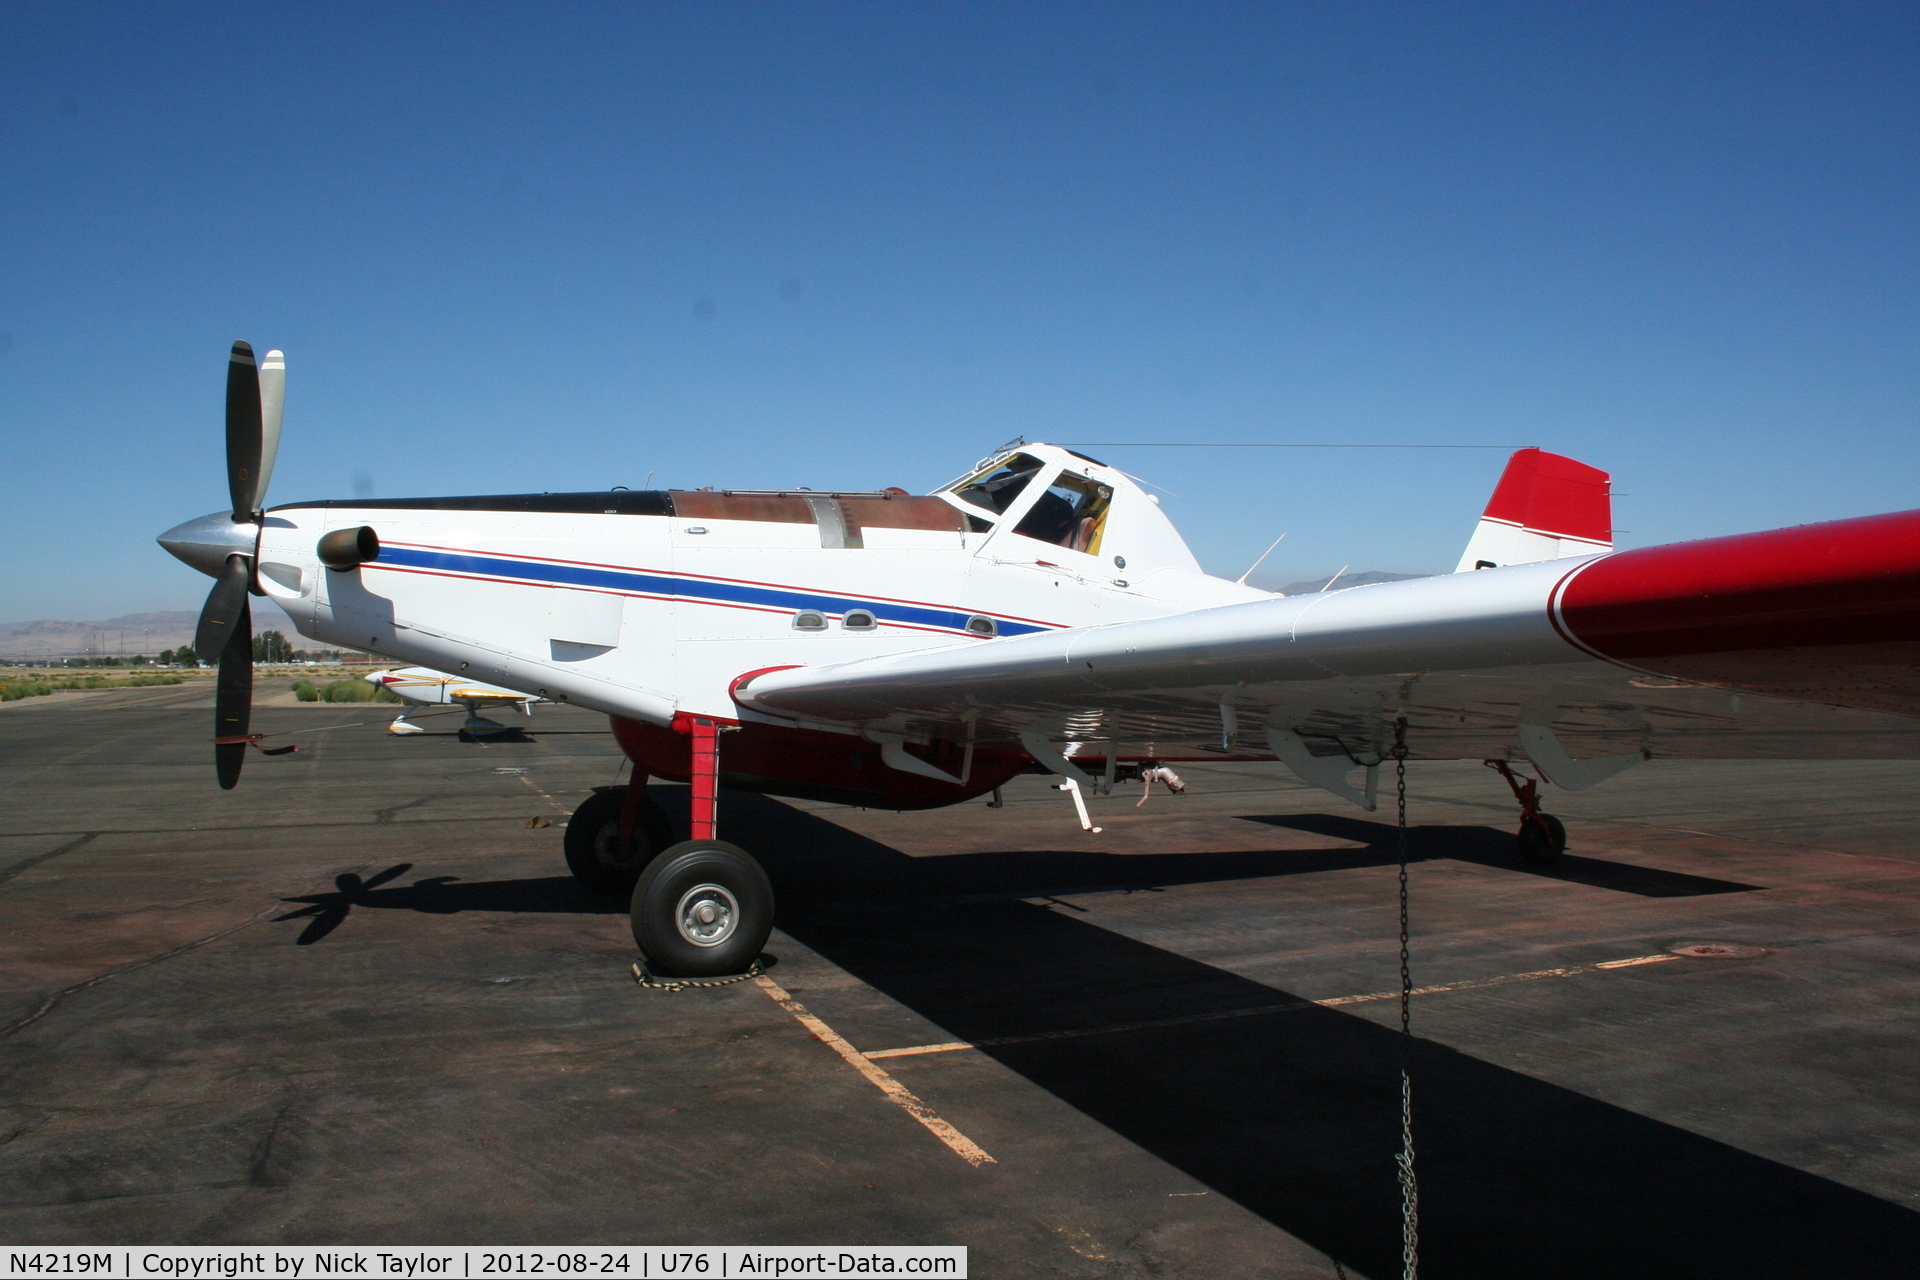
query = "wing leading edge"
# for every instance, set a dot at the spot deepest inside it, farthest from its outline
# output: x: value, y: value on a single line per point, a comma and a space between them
x: 1637, y: 649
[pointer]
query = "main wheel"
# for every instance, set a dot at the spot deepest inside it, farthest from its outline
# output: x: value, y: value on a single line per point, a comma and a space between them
x: 1542, y: 839
x: 593, y: 847
x: 702, y: 909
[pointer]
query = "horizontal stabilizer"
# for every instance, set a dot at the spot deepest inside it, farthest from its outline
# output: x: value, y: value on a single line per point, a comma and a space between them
x: 1545, y: 507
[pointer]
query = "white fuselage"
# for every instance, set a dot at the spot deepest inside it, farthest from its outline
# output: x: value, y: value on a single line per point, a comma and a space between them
x: 646, y: 615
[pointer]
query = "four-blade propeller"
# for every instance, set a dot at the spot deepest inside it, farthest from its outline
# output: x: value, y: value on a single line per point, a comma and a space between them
x: 255, y: 394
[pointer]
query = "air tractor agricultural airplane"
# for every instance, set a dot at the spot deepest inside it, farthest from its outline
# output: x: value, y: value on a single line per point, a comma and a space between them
x: 902, y: 652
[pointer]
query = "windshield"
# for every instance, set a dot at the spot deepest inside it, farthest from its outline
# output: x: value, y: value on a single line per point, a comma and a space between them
x: 1071, y: 513
x: 995, y: 488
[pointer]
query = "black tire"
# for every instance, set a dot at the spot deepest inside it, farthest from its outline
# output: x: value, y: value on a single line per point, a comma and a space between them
x: 1541, y: 840
x: 593, y: 838
x: 702, y: 909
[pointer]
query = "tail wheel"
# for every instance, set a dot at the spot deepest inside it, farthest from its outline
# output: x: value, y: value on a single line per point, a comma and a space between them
x: 1542, y: 839
x: 702, y: 909
x: 594, y: 852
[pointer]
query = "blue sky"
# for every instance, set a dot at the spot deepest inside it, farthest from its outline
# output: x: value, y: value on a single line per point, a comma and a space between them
x: 530, y: 247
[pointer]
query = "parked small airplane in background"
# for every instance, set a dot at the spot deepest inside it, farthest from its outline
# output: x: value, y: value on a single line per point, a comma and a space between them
x: 1041, y: 614
x: 427, y: 687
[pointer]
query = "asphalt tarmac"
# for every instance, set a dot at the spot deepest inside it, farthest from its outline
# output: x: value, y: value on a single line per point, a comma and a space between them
x: 358, y: 1000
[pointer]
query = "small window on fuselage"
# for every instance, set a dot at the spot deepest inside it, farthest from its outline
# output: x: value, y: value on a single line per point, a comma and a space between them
x: 996, y: 488
x: 859, y: 620
x: 809, y: 620
x: 1072, y: 513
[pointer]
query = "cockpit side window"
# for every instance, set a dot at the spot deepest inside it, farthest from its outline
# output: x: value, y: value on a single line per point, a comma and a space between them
x: 997, y: 487
x: 1071, y: 513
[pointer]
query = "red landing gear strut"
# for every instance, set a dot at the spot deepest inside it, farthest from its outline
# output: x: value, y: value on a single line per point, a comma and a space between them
x: 701, y: 908
x: 704, y: 736
x: 1541, y: 838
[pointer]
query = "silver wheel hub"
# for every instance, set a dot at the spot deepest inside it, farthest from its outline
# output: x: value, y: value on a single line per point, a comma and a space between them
x: 707, y: 915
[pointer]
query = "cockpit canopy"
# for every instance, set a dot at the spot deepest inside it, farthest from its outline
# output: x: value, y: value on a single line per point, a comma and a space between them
x: 1071, y: 511
x: 995, y: 486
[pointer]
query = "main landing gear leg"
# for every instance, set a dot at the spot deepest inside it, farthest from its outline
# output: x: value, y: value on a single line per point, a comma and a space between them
x: 636, y: 797
x: 702, y: 908
x: 705, y: 775
x: 613, y: 835
x: 1541, y: 838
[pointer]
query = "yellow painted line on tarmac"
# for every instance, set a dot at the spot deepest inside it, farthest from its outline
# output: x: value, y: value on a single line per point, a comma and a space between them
x: 543, y: 795
x: 897, y: 1093
x: 912, y: 1050
x: 1332, y: 1002
x: 1474, y: 984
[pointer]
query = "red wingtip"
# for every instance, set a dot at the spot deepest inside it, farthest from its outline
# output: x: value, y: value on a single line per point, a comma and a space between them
x: 1551, y: 494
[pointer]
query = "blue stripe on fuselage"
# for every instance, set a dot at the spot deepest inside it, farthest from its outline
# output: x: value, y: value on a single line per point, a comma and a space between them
x: 697, y: 589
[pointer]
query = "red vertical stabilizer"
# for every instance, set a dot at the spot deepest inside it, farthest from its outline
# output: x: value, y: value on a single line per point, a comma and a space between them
x: 1545, y: 507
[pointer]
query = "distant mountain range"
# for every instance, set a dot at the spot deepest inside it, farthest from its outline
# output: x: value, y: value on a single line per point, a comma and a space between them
x: 125, y: 636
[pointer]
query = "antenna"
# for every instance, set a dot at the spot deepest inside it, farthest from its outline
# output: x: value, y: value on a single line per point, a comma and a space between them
x: 1151, y: 485
x: 1336, y: 577
x: 1263, y: 558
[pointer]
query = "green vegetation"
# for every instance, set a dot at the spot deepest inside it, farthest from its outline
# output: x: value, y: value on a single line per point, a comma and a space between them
x: 271, y: 646
x: 344, y: 691
x: 14, y: 690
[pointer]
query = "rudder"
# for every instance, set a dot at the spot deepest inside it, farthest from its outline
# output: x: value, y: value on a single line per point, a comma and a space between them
x: 1546, y: 507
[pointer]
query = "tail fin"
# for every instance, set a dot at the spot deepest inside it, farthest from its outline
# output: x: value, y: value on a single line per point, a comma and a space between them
x: 1545, y: 507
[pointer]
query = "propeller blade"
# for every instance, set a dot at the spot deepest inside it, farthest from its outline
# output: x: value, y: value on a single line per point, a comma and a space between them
x: 233, y: 697
x: 273, y: 396
x: 222, y: 616
x: 243, y: 431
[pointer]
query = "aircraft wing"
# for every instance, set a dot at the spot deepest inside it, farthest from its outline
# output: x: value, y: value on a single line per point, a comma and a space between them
x: 1796, y: 643
x: 425, y: 685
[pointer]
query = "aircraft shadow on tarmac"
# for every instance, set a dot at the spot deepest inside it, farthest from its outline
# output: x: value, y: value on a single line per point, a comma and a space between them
x: 1021, y: 874
x: 1292, y: 1113
x: 442, y: 896
x: 1490, y: 848
x: 1295, y: 1114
